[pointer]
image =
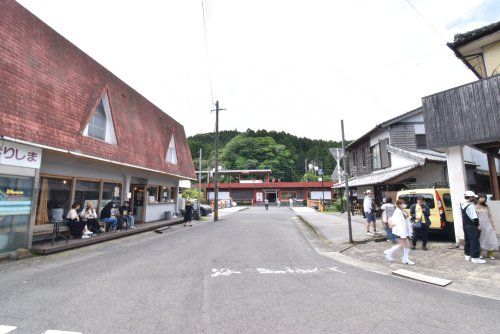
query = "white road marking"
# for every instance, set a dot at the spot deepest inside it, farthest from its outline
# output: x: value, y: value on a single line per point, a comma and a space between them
x: 53, y: 331
x: 336, y: 270
x: 6, y: 329
x: 224, y: 272
x: 287, y: 270
x: 268, y: 271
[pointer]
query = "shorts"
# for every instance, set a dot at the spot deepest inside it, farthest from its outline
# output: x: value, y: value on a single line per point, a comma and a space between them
x: 370, y: 217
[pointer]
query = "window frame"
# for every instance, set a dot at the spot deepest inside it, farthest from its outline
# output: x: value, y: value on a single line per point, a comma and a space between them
x: 419, y: 145
x: 99, y: 111
x: 113, y: 139
x: 73, y: 187
x: 376, y: 157
x: 174, y: 150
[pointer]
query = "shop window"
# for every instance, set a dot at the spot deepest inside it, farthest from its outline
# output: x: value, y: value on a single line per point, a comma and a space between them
x: 171, y: 151
x: 101, y: 125
x: 15, y: 211
x: 53, y: 200
x: 166, y: 194
x: 87, y: 191
x: 111, y: 192
x: 153, y: 194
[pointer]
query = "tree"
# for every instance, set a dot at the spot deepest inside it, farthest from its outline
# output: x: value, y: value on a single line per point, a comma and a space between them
x: 300, y: 148
x: 244, y: 152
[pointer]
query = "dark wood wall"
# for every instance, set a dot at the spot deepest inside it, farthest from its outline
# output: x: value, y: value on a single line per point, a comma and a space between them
x: 356, y: 155
x: 403, y: 136
x: 468, y: 114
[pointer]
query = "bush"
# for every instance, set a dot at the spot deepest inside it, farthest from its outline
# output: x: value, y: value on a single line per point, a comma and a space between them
x: 192, y: 193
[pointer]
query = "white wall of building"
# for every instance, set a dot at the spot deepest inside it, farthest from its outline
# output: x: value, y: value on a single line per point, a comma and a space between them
x: 431, y: 173
x: 378, y: 136
x: 478, y: 157
x: 398, y: 161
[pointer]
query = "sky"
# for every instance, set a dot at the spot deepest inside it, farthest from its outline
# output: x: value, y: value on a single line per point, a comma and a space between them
x: 284, y: 65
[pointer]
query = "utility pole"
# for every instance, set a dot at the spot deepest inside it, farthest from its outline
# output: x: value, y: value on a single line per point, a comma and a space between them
x: 346, y: 181
x: 199, y: 186
x: 216, y: 155
x: 322, y: 187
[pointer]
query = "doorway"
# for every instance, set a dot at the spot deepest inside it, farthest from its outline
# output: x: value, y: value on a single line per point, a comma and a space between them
x: 137, y: 201
x: 271, y: 195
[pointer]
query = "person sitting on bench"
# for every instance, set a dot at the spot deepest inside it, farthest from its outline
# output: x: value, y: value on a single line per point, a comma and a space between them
x: 107, y: 217
x: 89, y: 216
x: 56, y: 214
x: 77, y: 228
x: 126, y: 213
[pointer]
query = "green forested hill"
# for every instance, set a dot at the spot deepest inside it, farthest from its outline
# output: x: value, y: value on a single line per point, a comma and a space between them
x: 282, y: 152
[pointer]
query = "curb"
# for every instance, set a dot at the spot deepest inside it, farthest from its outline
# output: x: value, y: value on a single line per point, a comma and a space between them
x: 322, y: 236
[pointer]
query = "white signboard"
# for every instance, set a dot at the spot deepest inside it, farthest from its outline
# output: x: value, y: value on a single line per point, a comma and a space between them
x: 259, y: 197
x: 319, y: 194
x: 223, y: 195
x: 19, y: 155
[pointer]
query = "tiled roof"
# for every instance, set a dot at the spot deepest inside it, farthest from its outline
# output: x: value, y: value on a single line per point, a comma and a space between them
x: 473, y: 35
x: 418, y: 156
x: 49, y: 89
x: 377, y: 177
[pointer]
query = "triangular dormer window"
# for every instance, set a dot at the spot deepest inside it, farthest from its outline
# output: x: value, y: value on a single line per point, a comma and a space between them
x: 101, y: 125
x: 171, y: 151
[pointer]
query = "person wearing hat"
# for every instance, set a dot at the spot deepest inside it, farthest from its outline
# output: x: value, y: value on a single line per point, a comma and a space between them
x: 472, y: 248
x: 369, y: 209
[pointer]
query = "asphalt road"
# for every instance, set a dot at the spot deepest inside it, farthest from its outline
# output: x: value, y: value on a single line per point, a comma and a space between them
x: 252, y: 272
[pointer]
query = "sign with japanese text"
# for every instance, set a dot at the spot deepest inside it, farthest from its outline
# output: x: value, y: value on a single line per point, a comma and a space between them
x: 20, y: 155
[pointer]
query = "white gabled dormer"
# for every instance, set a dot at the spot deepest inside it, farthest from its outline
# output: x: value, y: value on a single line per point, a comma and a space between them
x: 101, y: 124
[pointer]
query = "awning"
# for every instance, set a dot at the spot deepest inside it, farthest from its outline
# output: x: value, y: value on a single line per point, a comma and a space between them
x: 377, y: 177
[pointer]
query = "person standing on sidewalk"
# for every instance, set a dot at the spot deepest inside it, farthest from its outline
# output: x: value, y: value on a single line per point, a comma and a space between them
x: 472, y: 248
x: 291, y: 202
x: 369, y: 208
x: 401, y: 228
x: 266, y: 203
x: 188, y: 215
x: 278, y: 203
x: 388, y: 210
x: 488, y: 238
x: 420, y: 219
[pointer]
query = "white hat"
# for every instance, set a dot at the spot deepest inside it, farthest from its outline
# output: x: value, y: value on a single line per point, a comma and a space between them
x: 470, y: 193
x: 368, y: 191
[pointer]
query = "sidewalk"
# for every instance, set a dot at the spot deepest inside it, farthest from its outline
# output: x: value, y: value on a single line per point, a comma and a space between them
x: 334, y: 228
x: 442, y: 259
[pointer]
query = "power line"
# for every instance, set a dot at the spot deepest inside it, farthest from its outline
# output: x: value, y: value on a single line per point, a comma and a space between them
x: 426, y: 21
x: 361, y: 89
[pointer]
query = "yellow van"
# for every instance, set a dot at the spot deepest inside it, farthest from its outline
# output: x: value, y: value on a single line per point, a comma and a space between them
x: 439, y: 201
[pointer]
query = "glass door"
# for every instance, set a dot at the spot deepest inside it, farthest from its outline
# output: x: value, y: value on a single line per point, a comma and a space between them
x: 15, y: 211
x: 138, y: 201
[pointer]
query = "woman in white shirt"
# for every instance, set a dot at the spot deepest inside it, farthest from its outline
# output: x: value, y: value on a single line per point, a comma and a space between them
x: 401, y: 228
x: 89, y: 216
x: 77, y: 227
